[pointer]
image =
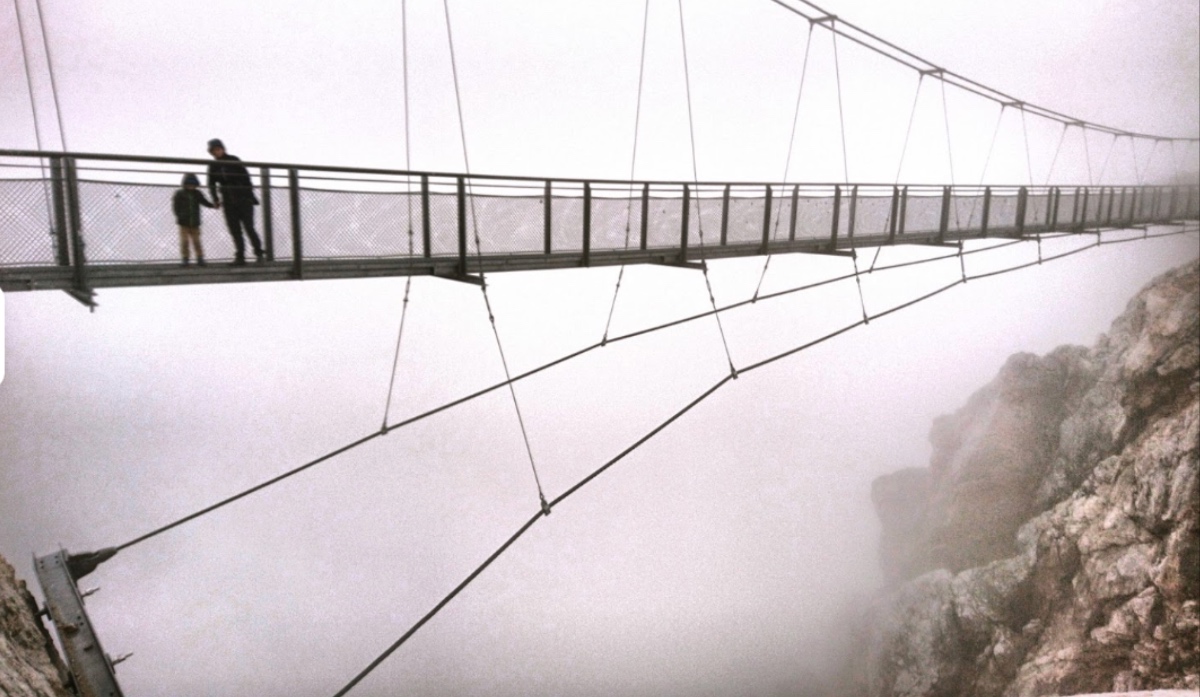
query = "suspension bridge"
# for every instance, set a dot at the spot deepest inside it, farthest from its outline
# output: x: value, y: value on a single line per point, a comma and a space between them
x: 79, y: 222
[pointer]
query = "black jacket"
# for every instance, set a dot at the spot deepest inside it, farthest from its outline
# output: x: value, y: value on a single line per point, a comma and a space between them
x: 233, y: 178
x: 186, y: 203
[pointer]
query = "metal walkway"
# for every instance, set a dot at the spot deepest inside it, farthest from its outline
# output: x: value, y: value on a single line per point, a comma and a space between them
x: 81, y: 221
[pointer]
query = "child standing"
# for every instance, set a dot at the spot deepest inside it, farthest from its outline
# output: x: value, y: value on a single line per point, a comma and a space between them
x: 187, y: 202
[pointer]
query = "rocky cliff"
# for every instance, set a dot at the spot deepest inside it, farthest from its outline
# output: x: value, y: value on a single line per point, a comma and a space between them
x: 29, y: 664
x: 1052, y: 545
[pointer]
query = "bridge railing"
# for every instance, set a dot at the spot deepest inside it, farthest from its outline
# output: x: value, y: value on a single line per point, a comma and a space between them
x: 74, y: 209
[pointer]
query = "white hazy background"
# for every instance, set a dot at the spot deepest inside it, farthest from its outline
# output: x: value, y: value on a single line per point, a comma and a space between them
x: 718, y: 559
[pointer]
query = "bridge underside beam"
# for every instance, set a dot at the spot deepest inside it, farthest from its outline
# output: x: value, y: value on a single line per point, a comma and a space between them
x: 16, y: 279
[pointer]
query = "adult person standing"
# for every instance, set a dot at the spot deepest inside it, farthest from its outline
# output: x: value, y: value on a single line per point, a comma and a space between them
x: 238, y: 199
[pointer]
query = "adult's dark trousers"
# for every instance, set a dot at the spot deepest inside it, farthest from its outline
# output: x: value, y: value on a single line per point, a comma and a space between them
x: 239, y: 216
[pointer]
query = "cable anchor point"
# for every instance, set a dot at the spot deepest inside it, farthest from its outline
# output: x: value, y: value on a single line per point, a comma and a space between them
x: 545, y: 505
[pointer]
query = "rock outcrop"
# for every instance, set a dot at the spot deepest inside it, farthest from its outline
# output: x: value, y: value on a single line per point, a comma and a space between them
x: 1052, y: 546
x: 29, y: 663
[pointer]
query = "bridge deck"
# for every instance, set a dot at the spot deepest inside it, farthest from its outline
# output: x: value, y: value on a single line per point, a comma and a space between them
x: 78, y: 222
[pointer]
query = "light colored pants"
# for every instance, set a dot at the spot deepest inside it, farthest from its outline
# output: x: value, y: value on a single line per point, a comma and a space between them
x: 190, y: 233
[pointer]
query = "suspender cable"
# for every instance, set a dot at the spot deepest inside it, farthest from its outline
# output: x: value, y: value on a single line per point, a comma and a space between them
x: 1087, y: 155
x: 1028, y: 156
x: 696, y: 178
x: 408, y: 197
x: 1112, y: 145
x: 62, y: 133
x: 530, y: 522
x: 637, y: 119
x: 837, y: 71
x: 37, y: 131
x: 462, y: 129
x: 912, y: 114
x: 791, y: 143
x: 987, y: 160
x: 949, y: 147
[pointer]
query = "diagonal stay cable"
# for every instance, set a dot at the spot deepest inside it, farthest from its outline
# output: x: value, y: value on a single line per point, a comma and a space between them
x: 724, y: 380
x: 637, y: 119
x: 687, y: 82
x: 791, y: 144
x: 529, y: 373
x: 387, y: 406
x: 987, y: 160
x: 462, y: 129
x: 949, y: 149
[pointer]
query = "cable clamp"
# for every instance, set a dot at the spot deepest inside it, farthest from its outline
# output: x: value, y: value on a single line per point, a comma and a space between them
x: 545, y: 505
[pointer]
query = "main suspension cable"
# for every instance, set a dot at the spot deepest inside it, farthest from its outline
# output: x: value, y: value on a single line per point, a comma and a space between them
x: 696, y: 178
x: 462, y: 128
x: 637, y: 119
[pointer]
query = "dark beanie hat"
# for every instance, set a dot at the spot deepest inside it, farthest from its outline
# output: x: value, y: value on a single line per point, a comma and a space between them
x: 191, y: 179
x: 216, y: 143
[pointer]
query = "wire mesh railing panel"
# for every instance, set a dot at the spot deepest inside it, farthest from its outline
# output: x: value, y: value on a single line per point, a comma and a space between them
x: 966, y: 212
x: 814, y: 217
x: 1037, y: 208
x: 616, y: 223
x: 781, y: 214
x: 566, y: 223
x: 345, y: 224
x: 745, y: 222
x: 135, y: 223
x: 704, y: 217
x: 664, y: 224
x: 873, y: 215
x: 26, y: 234
x: 443, y: 224
x: 507, y: 224
x: 922, y: 213
x: 1002, y: 212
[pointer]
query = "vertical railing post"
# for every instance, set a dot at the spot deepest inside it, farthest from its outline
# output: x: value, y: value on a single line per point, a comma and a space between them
x: 1131, y: 214
x: 1050, y: 203
x: 683, y: 233
x: 944, y: 222
x: 426, y: 223
x: 1022, y: 204
x: 462, y: 225
x: 987, y: 209
x: 297, y: 245
x: 75, y: 226
x: 546, y: 210
x: 837, y: 215
x: 795, y: 205
x: 903, y: 209
x: 1108, y: 212
x: 766, y: 231
x: 1053, y: 224
x: 725, y: 216
x: 268, y: 221
x: 1171, y: 205
x: 62, y: 242
x: 1081, y: 198
x: 853, y: 211
x: 587, y: 224
x: 892, y: 216
x: 645, y: 213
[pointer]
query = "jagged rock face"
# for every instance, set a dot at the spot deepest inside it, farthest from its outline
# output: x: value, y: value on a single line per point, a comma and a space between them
x: 1052, y: 547
x: 29, y: 664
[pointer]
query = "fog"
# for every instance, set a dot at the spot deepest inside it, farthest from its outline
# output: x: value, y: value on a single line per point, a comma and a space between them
x: 719, y: 558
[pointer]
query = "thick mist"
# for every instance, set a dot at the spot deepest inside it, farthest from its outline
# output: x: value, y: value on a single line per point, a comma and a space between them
x: 723, y: 556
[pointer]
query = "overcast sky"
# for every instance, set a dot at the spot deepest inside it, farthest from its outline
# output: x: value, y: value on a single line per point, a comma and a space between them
x: 716, y: 559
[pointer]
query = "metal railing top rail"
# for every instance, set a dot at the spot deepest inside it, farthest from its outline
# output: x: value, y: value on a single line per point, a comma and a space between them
x: 110, y: 157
